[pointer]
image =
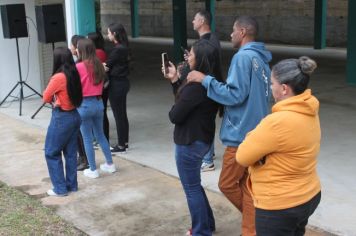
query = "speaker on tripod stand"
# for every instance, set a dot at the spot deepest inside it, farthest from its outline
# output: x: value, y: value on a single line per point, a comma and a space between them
x: 14, y: 25
x: 50, y: 28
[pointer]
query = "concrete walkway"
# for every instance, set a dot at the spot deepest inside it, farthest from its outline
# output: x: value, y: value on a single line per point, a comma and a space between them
x: 136, y: 201
x: 159, y: 197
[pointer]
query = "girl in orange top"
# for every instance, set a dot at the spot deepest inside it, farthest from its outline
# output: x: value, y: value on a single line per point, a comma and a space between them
x: 64, y: 91
x: 282, y: 151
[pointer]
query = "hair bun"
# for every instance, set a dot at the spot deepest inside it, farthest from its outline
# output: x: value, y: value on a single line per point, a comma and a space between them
x: 307, y: 65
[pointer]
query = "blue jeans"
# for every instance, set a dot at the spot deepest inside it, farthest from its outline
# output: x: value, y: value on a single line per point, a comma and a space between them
x: 286, y: 222
x: 92, y: 115
x: 189, y: 160
x: 208, y: 157
x: 61, y: 137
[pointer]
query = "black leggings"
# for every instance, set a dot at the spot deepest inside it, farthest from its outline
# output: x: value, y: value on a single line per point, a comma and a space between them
x: 106, y: 126
x: 81, y: 149
x: 117, y: 95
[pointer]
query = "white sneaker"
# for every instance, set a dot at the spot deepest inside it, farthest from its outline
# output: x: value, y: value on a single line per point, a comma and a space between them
x: 50, y: 192
x: 108, y: 168
x: 91, y: 174
x: 207, y: 167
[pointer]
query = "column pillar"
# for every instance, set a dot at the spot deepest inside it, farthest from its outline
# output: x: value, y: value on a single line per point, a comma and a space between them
x: 84, y: 14
x: 210, y: 7
x: 134, y: 19
x: 320, y: 24
x: 179, y: 28
x: 351, y: 44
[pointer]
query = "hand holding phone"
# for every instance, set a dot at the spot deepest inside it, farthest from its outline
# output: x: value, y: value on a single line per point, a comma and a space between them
x: 165, y: 63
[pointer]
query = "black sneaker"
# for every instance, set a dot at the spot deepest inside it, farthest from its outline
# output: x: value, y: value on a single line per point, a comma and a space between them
x: 82, y: 163
x: 118, y: 149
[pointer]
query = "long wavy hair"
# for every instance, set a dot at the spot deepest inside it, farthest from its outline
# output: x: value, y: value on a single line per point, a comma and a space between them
x: 63, y: 62
x: 87, y: 54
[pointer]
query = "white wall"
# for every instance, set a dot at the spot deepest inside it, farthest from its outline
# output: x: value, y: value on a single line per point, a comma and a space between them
x: 9, y: 74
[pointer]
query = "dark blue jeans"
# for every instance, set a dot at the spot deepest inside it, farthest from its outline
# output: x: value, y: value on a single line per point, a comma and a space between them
x: 189, y: 159
x: 287, y: 222
x: 61, y: 138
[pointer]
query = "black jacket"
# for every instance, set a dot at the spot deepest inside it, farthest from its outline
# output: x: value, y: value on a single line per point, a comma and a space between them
x: 193, y: 114
x: 118, y: 63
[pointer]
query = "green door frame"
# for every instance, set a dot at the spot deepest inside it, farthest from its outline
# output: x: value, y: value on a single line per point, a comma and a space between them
x: 135, y: 32
x: 179, y: 28
x: 320, y: 13
x: 210, y: 7
x: 84, y: 16
x: 351, y: 44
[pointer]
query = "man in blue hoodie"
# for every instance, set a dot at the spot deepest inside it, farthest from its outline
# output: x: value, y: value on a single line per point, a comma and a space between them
x: 245, y: 97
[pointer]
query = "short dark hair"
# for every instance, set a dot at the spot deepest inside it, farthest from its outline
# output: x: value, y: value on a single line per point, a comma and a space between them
x: 249, y: 23
x: 97, y: 39
x: 75, y: 38
x: 206, y: 15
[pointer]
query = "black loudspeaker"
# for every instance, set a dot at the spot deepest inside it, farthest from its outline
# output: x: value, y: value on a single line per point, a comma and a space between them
x: 13, y: 19
x: 50, y: 23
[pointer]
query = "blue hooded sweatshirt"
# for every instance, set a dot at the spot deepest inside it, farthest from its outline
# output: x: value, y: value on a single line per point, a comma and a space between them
x: 246, y: 93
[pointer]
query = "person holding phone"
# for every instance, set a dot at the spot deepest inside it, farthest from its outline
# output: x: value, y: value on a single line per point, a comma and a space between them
x: 64, y: 91
x: 193, y: 115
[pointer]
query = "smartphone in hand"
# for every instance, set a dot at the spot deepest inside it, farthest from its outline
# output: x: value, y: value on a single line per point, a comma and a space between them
x: 165, y: 63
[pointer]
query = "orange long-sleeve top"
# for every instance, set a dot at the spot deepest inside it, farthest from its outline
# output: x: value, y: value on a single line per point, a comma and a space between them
x: 289, y: 139
x: 57, y: 91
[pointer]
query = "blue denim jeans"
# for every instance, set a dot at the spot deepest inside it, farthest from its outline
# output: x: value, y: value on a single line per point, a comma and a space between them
x: 286, y: 222
x: 208, y: 157
x: 61, y: 138
x: 189, y: 160
x: 91, y: 113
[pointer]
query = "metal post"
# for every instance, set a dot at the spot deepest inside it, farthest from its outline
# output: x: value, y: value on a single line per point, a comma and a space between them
x: 210, y: 6
x: 179, y: 28
x: 320, y: 24
x: 134, y: 19
x: 351, y: 44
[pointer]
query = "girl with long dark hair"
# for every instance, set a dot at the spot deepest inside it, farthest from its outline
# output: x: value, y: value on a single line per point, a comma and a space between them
x: 92, y: 75
x: 64, y: 91
x: 194, y: 117
x: 117, y: 67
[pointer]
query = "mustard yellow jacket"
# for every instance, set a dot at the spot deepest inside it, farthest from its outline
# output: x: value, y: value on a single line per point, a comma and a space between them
x: 289, y: 139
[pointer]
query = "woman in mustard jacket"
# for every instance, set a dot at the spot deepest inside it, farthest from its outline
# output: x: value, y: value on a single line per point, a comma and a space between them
x: 282, y: 153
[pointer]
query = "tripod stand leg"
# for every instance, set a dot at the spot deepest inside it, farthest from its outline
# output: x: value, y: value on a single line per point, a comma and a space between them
x: 21, y: 98
x: 38, y: 110
x: 28, y: 86
x: 9, y: 94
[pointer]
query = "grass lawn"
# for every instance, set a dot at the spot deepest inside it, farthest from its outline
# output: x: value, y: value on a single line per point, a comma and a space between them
x: 22, y: 215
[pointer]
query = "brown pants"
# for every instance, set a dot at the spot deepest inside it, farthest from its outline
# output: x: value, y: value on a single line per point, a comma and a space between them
x: 232, y: 184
